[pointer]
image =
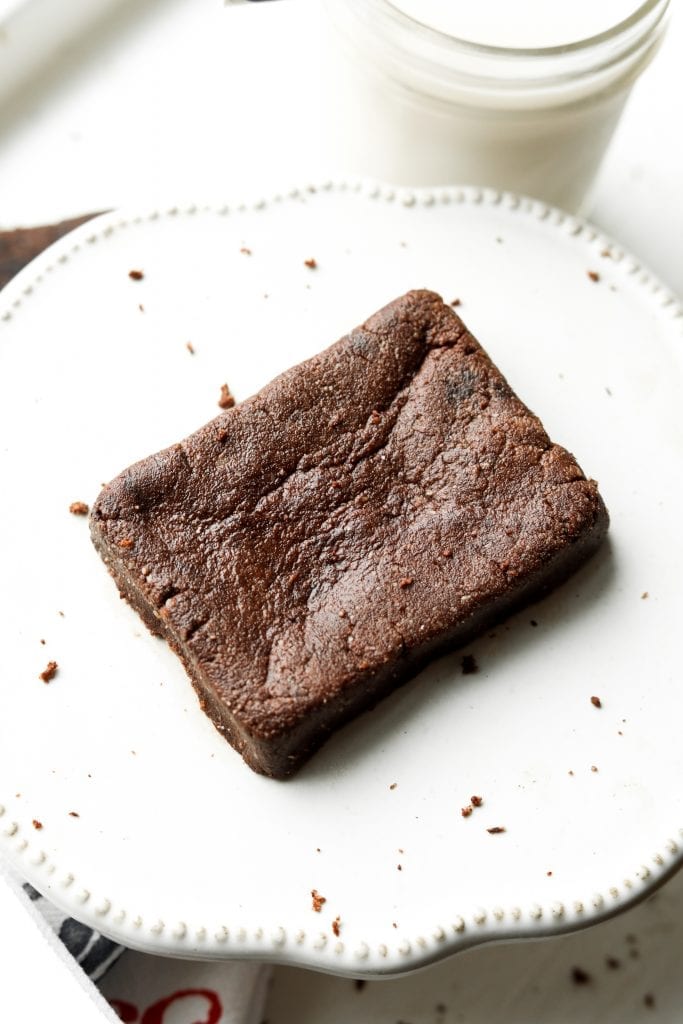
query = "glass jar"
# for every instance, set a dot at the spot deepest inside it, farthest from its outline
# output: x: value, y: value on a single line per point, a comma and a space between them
x: 413, y: 104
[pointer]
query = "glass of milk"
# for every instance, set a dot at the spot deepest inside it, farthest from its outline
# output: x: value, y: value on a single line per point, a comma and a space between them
x: 522, y: 96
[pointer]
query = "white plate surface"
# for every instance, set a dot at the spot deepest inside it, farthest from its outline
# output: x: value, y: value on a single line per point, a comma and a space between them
x: 178, y: 847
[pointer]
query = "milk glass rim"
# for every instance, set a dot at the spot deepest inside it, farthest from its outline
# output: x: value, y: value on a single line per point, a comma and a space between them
x: 578, y: 46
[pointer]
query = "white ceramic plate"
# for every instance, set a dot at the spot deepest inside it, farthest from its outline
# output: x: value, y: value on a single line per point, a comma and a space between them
x: 178, y: 847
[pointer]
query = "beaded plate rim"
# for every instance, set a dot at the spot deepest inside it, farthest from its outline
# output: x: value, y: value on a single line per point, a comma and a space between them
x: 315, y: 949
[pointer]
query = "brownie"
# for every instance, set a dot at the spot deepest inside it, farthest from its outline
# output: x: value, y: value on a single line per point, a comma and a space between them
x: 309, y: 550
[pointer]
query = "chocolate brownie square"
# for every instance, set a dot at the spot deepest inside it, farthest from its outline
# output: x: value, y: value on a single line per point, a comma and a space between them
x: 309, y: 550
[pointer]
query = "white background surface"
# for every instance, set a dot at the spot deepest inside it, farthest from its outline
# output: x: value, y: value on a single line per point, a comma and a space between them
x: 187, y: 99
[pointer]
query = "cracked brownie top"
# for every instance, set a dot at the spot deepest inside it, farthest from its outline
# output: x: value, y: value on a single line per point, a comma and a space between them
x: 304, y: 551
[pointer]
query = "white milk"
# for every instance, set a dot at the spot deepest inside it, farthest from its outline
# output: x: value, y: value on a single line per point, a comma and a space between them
x: 522, y: 96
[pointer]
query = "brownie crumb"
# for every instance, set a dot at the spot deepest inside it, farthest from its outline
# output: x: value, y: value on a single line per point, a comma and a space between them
x: 613, y: 963
x: 61, y: 614
x: 49, y: 672
x: 594, y: 768
x: 190, y: 347
x: 318, y: 900
x: 649, y: 1000
x: 534, y: 623
x: 496, y: 830
x: 360, y: 983
x: 580, y: 977
x: 226, y: 400
x: 37, y: 824
x: 570, y: 772
x: 477, y: 801
x: 466, y: 811
x: 141, y: 307
x: 311, y: 263
x: 43, y: 642
x: 593, y: 275
x: 606, y: 254
x: 245, y: 250
x: 644, y: 596
x: 79, y: 508
x: 469, y: 665
x: 336, y: 926
x: 406, y: 581
x: 135, y: 275
x: 549, y: 874
x: 596, y: 702
x: 127, y: 542
x: 74, y: 814
x: 455, y: 302
x: 393, y: 785
x: 399, y: 867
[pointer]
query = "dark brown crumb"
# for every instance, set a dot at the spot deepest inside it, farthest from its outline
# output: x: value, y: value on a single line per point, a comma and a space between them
x: 456, y: 302
x: 74, y: 814
x: 533, y: 622
x: 393, y: 924
x: 190, y: 347
x: 127, y: 542
x: 43, y: 642
x: 399, y: 867
x: 78, y: 508
x: 37, y: 824
x: 441, y: 1008
x: 593, y: 275
x: 496, y: 830
x: 318, y: 900
x: 393, y: 785
x: 135, y: 275
x: 311, y: 263
x: 549, y: 874
x: 406, y: 581
x: 336, y: 925
x: 580, y: 977
x: 649, y: 1000
x: 477, y: 801
x: 613, y: 963
x: 570, y: 772
x: 360, y: 983
x: 469, y: 665
x: 466, y: 811
x: 596, y: 702
x: 141, y: 307
x: 644, y: 596
x: 49, y: 672
x: 226, y: 401
x: 245, y: 250
x: 594, y: 768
